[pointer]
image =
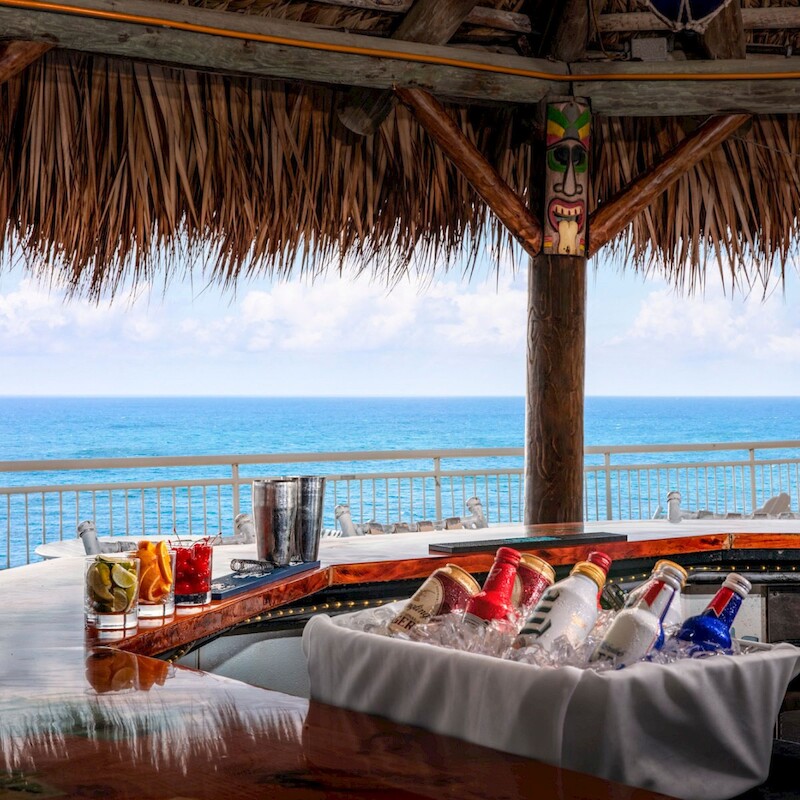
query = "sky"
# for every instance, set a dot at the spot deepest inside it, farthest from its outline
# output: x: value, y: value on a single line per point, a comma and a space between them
x: 350, y: 336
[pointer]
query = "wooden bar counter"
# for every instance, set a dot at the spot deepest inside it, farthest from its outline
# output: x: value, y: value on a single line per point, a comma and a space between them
x: 85, y: 714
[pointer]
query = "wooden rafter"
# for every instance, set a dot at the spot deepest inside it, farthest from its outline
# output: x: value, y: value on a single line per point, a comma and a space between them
x: 613, y: 216
x: 483, y: 177
x: 483, y: 16
x: 428, y: 21
x: 17, y: 55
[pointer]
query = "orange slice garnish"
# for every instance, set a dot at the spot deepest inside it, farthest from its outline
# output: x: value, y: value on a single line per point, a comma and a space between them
x: 164, y: 561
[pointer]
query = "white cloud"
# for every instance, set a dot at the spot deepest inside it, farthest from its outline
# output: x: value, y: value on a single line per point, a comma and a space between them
x: 339, y: 315
x: 666, y: 343
x: 422, y: 336
x: 716, y: 325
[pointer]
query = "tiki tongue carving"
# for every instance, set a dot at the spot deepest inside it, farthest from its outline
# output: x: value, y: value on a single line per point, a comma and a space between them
x: 567, y: 178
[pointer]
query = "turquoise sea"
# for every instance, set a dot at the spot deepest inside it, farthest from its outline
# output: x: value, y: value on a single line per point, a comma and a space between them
x: 45, y: 427
x: 70, y: 428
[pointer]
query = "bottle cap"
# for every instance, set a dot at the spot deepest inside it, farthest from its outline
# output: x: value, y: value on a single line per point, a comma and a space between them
x: 590, y: 571
x: 601, y: 560
x: 508, y: 554
x: 675, y: 569
x: 738, y: 583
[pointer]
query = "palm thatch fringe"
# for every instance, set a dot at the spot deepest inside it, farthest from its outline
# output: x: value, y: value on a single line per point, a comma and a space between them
x: 115, y: 172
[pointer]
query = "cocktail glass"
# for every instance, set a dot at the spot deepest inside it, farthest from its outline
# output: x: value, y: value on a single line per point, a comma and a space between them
x: 111, y: 591
x: 156, y: 580
x: 193, y: 574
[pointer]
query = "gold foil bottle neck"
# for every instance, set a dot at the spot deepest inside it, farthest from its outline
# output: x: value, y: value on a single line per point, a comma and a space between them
x: 460, y: 575
x: 539, y: 564
x: 665, y: 562
x: 590, y: 571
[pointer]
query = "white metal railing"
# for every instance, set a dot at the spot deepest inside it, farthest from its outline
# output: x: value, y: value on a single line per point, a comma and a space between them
x: 43, y: 501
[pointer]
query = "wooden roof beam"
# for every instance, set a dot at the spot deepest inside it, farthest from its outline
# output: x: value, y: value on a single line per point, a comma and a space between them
x: 771, y: 18
x: 757, y: 85
x: 482, y: 176
x: 724, y: 37
x: 613, y: 216
x: 480, y: 16
x: 184, y: 36
x: 571, y: 35
x: 17, y: 55
x: 428, y: 21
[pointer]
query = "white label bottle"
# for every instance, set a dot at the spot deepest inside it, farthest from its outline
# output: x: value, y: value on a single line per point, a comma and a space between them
x: 568, y: 608
x: 635, y: 630
x: 674, y: 616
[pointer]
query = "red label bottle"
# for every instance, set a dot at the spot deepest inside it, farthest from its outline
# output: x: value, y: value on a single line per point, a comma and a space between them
x: 493, y: 602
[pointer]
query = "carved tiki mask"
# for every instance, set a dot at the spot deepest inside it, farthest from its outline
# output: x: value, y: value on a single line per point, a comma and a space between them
x: 566, y: 178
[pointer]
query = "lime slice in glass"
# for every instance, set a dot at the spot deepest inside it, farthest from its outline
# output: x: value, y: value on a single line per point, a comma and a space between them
x: 122, y: 577
x: 121, y: 601
x: 99, y: 582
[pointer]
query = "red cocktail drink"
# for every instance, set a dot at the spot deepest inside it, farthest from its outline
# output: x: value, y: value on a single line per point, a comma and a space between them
x: 193, y: 574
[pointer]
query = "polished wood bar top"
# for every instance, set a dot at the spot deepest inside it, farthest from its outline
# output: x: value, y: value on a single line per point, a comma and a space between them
x: 115, y: 725
x: 79, y: 718
x: 83, y: 715
x: 383, y: 558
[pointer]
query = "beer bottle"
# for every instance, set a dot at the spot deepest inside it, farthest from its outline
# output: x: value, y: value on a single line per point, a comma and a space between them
x: 674, y: 614
x: 493, y: 602
x: 711, y: 630
x: 636, y: 629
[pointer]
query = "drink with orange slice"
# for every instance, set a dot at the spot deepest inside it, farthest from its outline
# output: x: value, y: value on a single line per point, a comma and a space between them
x: 156, y: 580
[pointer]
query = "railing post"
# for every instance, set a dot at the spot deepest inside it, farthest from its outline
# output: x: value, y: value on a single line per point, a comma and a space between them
x: 607, y: 465
x: 752, y: 479
x: 235, y: 476
x: 437, y: 482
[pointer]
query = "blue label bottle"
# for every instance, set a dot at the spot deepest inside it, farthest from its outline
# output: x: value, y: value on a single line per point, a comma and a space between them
x: 711, y: 630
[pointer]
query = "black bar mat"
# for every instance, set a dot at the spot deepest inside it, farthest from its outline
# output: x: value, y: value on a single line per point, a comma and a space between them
x: 230, y: 585
x: 526, y: 542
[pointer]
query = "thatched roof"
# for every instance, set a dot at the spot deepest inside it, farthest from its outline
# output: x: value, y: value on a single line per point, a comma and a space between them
x: 110, y: 168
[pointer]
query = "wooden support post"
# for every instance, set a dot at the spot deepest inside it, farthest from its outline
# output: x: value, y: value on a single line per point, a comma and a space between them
x: 428, y: 21
x: 555, y: 387
x: 572, y: 31
x: 16, y: 56
x: 483, y: 177
x: 724, y: 37
x: 616, y: 213
x: 557, y: 324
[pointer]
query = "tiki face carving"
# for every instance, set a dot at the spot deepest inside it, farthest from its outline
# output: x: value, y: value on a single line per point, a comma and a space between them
x: 567, y: 178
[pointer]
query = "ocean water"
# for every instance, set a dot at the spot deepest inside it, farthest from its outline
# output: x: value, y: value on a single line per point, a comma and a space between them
x: 49, y: 428
x: 70, y: 428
